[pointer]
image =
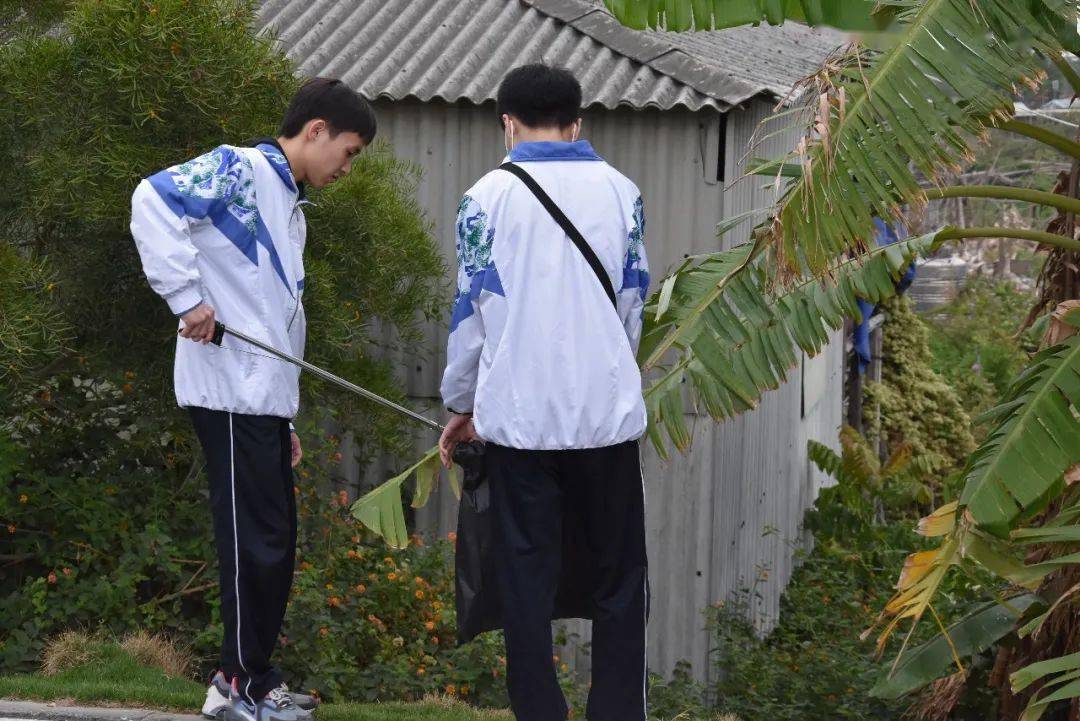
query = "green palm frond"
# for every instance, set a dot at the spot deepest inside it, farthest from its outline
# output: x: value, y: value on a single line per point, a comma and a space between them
x: 1020, y: 466
x: 705, y: 14
x: 878, y: 120
x: 382, y: 510
x: 972, y: 634
x: 1061, y: 681
x: 727, y: 336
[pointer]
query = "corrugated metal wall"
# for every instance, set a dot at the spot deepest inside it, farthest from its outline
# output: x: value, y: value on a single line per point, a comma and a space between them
x: 729, y: 512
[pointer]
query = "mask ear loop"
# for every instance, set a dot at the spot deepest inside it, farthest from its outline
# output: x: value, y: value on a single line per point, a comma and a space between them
x: 577, y: 131
x: 508, y: 142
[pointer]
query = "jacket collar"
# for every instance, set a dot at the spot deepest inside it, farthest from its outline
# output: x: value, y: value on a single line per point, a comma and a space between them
x: 273, y: 151
x: 553, y: 150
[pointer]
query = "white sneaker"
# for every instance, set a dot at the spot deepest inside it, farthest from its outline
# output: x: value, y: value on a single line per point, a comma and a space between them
x: 275, y: 706
x: 217, y: 698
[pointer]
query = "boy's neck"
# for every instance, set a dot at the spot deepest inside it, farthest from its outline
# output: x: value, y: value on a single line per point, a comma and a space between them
x: 291, y: 148
x: 541, y: 135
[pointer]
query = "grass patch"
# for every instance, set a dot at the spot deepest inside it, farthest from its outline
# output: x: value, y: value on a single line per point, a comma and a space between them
x: 155, y: 650
x: 109, y: 676
x: 90, y: 671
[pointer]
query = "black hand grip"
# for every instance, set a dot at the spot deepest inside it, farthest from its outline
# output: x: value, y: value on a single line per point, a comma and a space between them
x: 470, y: 456
x: 219, y: 332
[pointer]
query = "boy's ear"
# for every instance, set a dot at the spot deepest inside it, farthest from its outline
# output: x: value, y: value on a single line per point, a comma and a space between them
x: 315, y: 128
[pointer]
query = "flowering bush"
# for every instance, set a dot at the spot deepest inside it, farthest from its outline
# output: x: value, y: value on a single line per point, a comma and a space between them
x: 104, y: 523
x: 368, y: 623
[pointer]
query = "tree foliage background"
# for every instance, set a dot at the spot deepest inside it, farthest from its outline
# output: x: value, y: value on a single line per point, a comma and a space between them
x: 120, y: 89
x: 102, y: 502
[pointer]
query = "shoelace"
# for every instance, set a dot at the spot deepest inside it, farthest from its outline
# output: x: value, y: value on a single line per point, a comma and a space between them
x: 280, y: 696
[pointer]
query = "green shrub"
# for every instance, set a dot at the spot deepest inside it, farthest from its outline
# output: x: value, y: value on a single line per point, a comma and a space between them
x: 32, y: 331
x: 913, y: 404
x: 814, y: 664
x: 973, y: 340
x: 133, y: 86
x: 106, y: 526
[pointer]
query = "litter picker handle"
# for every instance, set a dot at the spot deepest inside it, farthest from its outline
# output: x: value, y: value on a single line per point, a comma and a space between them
x: 219, y: 333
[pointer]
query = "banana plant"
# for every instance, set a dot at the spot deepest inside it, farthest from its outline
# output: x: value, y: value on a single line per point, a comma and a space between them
x: 1026, y: 463
x: 878, y: 122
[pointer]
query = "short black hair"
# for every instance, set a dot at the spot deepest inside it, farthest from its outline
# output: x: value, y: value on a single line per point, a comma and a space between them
x: 541, y: 96
x: 333, y: 101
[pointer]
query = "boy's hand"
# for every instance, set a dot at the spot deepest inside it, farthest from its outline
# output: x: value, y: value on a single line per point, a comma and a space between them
x: 458, y: 430
x: 198, y: 324
x: 297, y: 451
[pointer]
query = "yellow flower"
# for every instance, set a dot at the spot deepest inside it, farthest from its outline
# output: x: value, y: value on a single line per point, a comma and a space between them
x: 360, y: 588
x: 451, y: 689
x: 23, y: 498
x: 420, y: 671
x: 419, y: 594
x: 429, y: 626
x: 329, y: 587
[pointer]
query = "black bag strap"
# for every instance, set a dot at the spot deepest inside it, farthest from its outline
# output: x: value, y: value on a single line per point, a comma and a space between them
x: 567, y: 226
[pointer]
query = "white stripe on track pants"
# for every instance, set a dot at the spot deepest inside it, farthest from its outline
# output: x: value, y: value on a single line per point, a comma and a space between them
x: 254, y: 512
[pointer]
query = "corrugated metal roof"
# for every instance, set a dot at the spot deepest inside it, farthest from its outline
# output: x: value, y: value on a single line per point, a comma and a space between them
x: 460, y: 50
x: 772, y: 58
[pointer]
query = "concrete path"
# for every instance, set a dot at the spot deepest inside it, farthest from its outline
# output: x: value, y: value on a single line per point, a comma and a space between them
x: 36, y: 711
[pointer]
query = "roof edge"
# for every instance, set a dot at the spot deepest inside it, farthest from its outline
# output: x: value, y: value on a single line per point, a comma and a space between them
x: 665, y: 58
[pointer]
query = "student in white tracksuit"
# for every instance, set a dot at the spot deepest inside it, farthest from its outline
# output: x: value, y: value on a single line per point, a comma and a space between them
x: 541, y: 365
x: 222, y: 236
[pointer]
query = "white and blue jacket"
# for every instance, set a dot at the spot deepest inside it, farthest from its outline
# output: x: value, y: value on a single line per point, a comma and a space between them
x: 226, y: 229
x: 536, y: 350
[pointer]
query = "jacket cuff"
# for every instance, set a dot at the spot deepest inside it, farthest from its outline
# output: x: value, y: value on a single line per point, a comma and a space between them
x: 184, y: 300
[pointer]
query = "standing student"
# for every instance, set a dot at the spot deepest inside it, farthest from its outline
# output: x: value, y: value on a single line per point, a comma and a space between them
x: 222, y: 236
x: 541, y: 365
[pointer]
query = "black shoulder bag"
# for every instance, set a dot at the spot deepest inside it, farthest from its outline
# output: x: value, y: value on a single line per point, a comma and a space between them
x: 568, y: 227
